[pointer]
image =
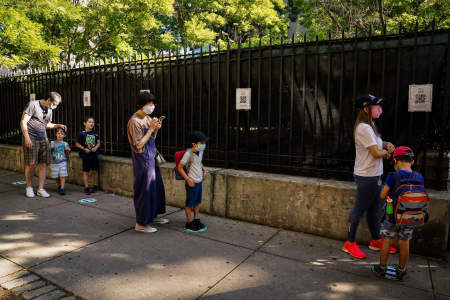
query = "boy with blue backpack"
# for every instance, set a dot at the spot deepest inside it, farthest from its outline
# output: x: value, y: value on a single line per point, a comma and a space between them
x: 406, y: 208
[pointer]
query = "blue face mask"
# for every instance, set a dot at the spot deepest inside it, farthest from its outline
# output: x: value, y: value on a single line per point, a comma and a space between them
x: 201, y: 147
x: 53, y: 106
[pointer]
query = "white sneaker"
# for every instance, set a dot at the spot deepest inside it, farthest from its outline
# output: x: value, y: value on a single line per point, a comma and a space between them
x: 160, y: 221
x: 43, y: 193
x: 29, y: 192
x: 145, y: 229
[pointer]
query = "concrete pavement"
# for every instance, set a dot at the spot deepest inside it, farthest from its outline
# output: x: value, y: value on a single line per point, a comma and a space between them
x: 57, y: 248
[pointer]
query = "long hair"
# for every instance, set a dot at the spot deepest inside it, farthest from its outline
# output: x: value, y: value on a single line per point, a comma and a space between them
x: 365, y: 117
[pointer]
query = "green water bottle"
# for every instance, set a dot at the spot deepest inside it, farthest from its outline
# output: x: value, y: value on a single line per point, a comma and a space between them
x: 389, y: 206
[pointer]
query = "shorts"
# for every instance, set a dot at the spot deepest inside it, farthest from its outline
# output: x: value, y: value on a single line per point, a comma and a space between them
x: 90, y: 163
x: 59, y: 170
x: 38, y: 154
x: 193, y: 195
x: 392, y: 231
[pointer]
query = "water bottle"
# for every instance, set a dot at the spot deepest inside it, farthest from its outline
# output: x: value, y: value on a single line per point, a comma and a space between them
x: 389, y: 206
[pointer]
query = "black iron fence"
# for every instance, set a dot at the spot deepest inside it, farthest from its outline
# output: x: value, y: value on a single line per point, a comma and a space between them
x: 302, y: 94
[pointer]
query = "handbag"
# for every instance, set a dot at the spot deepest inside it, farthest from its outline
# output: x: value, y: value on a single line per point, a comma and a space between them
x: 159, y: 159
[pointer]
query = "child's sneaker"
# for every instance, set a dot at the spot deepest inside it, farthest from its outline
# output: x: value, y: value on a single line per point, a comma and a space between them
x: 94, y: 189
x: 62, y: 192
x: 376, y: 246
x: 198, y: 224
x: 190, y: 227
x: 87, y: 191
x: 379, y: 270
x: 400, y: 274
x: 353, y: 249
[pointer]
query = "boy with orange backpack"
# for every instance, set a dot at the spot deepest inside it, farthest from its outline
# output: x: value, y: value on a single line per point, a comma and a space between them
x: 406, y: 210
x: 190, y: 168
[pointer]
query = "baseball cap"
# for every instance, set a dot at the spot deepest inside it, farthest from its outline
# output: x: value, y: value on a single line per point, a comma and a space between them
x: 403, y: 151
x: 364, y: 100
x: 198, y: 136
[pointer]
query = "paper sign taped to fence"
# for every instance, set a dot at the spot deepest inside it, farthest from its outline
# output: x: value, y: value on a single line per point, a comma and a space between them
x: 243, y: 99
x: 420, y: 97
x: 32, y: 97
x: 87, y: 98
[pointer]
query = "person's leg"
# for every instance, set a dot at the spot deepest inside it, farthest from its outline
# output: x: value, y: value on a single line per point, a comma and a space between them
x: 42, y: 175
x: 196, y: 210
x: 404, y: 253
x: 373, y: 209
x: 384, y: 252
x: 29, y: 172
x: 95, y: 176
x: 363, y: 186
x: 62, y: 182
x: 188, y: 212
x: 85, y: 179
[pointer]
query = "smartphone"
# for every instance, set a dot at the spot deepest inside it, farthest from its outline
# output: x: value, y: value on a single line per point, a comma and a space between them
x: 162, y: 118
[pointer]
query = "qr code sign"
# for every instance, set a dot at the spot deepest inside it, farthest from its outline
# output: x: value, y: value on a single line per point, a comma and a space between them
x: 243, y: 99
x: 420, y: 98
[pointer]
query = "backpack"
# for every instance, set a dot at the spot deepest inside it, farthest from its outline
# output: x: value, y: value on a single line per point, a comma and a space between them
x: 178, y: 157
x: 411, y: 200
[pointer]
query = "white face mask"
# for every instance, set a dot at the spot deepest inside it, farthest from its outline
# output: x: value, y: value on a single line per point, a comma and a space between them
x: 53, y: 106
x: 148, y: 109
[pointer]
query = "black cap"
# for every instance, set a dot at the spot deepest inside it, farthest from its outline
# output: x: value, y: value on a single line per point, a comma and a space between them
x: 198, y: 136
x: 364, y: 100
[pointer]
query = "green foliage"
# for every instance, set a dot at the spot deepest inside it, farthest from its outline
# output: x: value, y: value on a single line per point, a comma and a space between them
x: 39, y: 33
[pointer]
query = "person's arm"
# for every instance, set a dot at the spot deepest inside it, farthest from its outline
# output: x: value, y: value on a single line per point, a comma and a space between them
x: 141, y: 143
x: 378, y: 153
x: 52, y: 145
x: 204, y: 171
x: 51, y: 125
x: 384, y: 192
x: 67, y: 148
x: 155, y: 134
x: 183, y: 174
x: 24, y: 125
x: 96, y: 146
x: 81, y: 147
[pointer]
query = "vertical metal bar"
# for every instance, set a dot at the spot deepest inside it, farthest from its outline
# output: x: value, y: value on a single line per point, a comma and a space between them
x: 176, y: 99
x: 269, y: 108
x: 192, y: 89
x: 218, y: 85
x: 238, y: 126
x: 291, y: 108
x: 227, y: 105
x: 104, y: 104
x: 355, y: 76
x: 110, y: 106
x: 413, y: 79
x: 316, y: 75
x: 184, y: 97
x: 249, y: 85
x: 302, y: 108
x: 369, y: 61
x: 201, y: 89
x: 280, y: 99
x: 258, y: 120
x: 169, y: 99
x: 328, y: 101
x: 397, y: 81
x: 162, y: 94
x: 209, y: 91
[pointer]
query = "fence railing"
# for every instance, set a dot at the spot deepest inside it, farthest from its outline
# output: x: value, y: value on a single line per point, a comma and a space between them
x: 302, y: 95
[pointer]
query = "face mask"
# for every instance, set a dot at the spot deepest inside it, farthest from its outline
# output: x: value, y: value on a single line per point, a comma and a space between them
x: 376, y: 113
x: 148, y: 109
x: 201, y: 147
x: 53, y: 106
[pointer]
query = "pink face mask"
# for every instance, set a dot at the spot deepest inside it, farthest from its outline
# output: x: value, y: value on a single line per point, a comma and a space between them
x: 376, y: 112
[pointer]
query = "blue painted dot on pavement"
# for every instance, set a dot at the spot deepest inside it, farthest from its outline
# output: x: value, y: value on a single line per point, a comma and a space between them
x: 19, y: 182
x: 87, y: 200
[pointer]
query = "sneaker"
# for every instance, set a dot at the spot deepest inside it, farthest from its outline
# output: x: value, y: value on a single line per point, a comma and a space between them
x: 62, y: 192
x: 43, y: 193
x: 87, y: 191
x: 94, y: 189
x: 376, y: 246
x: 29, y: 192
x: 190, y: 227
x: 145, y: 229
x: 353, y: 249
x: 400, y: 274
x: 198, y: 224
x: 160, y: 221
x: 379, y: 270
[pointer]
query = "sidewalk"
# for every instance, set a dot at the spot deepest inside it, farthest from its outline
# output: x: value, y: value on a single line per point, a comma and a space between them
x: 91, y: 251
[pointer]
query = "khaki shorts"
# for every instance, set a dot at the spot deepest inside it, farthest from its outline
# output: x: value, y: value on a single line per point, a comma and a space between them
x: 39, y: 153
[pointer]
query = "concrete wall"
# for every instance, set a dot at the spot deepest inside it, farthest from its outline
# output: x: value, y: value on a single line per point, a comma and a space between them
x: 303, y: 204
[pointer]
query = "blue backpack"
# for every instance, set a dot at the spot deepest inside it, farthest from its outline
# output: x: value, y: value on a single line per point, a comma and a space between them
x: 410, y: 200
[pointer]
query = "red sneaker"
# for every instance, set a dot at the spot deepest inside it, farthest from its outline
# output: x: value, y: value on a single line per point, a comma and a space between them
x: 353, y: 249
x: 376, y: 246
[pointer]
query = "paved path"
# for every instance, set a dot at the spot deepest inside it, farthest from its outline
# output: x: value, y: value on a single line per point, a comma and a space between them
x: 56, y: 248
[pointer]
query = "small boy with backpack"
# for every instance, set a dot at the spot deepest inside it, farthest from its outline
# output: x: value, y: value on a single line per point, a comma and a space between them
x: 406, y: 208
x: 190, y: 168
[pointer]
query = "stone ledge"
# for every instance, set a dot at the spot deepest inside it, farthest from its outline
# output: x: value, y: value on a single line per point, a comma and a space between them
x: 311, y: 205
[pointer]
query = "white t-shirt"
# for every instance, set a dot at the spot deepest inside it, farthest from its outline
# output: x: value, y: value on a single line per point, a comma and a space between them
x: 365, y: 164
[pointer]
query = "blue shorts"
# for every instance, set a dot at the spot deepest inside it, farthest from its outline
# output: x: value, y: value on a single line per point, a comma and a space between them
x: 90, y: 163
x: 193, y: 195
